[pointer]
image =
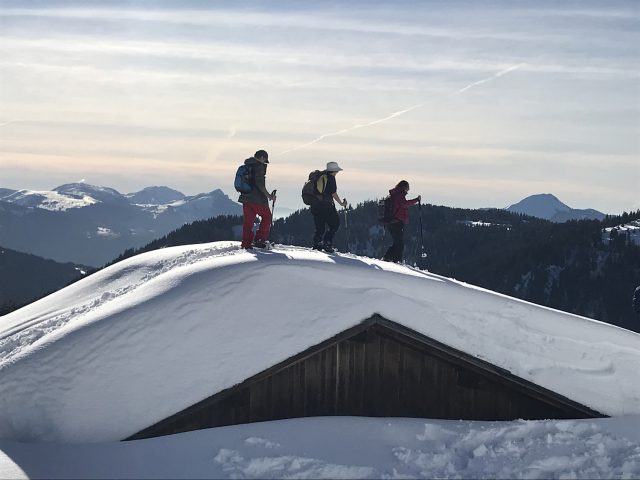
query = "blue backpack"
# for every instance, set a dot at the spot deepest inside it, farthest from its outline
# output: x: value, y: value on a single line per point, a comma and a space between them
x: 244, y: 179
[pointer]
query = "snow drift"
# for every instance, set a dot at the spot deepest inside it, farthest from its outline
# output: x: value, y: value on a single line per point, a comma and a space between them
x: 149, y: 336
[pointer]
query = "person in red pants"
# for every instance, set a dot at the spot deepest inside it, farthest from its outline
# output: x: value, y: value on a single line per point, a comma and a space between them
x: 256, y: 202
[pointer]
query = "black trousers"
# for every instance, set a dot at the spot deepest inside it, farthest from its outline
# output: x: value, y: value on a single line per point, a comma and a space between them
x: 327, y: 221
x: 396, y: 250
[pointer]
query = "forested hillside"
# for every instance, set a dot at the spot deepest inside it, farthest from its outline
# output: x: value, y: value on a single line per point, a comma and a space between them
x: 25, y: 277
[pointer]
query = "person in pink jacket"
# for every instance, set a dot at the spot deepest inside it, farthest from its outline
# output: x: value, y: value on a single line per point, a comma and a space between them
x: 400, y: 218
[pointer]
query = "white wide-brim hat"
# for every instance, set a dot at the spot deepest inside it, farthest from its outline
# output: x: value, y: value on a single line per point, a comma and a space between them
x: 333, y: 167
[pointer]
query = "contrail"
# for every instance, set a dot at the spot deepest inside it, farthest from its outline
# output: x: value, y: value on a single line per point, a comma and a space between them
x: 355, y: 127
x: 499, y: 74
x: 8, y: 123
x: 401, y: 112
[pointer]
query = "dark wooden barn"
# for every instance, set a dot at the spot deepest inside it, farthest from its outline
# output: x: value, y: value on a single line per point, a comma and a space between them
x: 378, y: 369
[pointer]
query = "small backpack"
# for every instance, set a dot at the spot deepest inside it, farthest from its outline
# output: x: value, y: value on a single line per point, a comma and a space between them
x: 385, y: 210
x: 310, y: 193
x: 244, y: 179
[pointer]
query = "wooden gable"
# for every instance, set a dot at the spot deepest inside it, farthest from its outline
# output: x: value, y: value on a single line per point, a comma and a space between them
x: 377, y: 369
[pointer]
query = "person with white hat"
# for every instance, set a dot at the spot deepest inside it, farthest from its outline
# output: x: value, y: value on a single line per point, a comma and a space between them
x: 325, y: 215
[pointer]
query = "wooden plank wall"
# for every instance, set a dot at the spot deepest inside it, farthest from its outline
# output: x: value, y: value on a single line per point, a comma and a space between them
x: 376, y: 373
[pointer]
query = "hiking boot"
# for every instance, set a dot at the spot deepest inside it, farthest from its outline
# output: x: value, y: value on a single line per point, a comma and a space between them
x: 328, y: 248
x: 317, y: 246
x: 260, y: 244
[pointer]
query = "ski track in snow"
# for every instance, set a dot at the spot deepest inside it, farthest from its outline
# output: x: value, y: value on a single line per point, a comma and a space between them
x: 15, y: 342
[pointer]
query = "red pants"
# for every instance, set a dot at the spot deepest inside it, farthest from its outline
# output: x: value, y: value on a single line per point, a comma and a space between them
x: 250, y: 210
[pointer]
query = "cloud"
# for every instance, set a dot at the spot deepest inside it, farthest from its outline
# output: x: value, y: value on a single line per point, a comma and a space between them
x: 347, y: 20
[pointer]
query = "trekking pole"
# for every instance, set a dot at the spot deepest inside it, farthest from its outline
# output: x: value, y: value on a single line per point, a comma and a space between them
x: 346, y: 226
x: 273, y: 207
x: 423, y: 254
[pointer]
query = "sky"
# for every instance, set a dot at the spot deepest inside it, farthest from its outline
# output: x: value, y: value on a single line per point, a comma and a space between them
x: 476, y: 104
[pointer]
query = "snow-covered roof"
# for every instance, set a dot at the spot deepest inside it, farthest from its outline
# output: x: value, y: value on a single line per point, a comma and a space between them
x: 136, y: 342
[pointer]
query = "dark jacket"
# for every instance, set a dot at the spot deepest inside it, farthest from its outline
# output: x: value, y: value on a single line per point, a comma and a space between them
x: 259, y: 192
x: 400, y: 205
x: 327, y: 186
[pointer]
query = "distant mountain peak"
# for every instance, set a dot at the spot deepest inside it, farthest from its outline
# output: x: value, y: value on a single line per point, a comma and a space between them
x: 156, y: 195
x: 544, y: 196
x: 550, y: 207
x: 86, y: 191
x: 82, y: 186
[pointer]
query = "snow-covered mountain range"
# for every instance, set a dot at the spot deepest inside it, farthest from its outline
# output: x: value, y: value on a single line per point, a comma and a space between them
x: 549, y: 207
x: 91, y: 225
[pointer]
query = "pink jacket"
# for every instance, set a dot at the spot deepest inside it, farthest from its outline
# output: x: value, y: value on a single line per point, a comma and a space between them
x: 401, y: 205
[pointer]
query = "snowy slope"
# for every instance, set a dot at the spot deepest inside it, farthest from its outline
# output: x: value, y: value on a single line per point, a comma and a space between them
x: 149, y: 336
x: 49, y: 200
x: 630, y: 231
x: 350, y: 447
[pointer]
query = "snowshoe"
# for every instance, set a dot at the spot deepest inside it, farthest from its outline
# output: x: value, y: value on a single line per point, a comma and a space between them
x: 328, y: 248
x: 263, y: 244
